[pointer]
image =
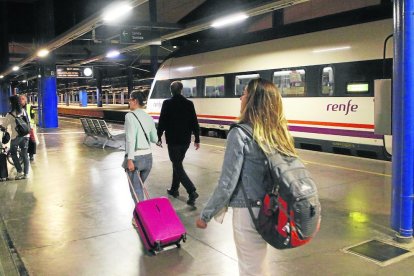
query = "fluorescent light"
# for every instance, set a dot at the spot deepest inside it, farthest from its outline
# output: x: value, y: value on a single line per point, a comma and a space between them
x: 116, y: 12
x: 24, y: 81
x: 1, y: 76
x: 331, y: 49
x: 112, y: 54
x: 42, y: 53
x: 185, y: 68
x: 156, y: 43
x: 175, y: 47
x: 16, y: 68
x: 232, y: 19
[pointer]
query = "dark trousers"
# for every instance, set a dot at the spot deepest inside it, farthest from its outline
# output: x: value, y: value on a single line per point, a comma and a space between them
x: 177, y: 154
x: 22, y: 143
x: 32, y: 148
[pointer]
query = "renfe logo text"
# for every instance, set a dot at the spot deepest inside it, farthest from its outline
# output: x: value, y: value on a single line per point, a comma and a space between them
x: 343, y: 107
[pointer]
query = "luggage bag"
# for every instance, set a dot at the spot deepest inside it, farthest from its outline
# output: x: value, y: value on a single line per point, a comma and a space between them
x: 4, y: 173
x: 157, y: 222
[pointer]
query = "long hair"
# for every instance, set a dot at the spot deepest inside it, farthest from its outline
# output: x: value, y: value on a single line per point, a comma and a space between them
x: 15, y: 104
x: 264, y: 112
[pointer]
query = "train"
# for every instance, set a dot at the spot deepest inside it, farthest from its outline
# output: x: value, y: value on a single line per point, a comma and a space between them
x: 326, y: 79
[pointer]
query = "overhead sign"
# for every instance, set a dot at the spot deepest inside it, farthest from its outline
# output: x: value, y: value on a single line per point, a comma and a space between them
x: 74, y: 72
x: 135, y: 35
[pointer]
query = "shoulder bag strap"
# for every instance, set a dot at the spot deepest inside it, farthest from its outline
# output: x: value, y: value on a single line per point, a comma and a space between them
x: 146, y: 137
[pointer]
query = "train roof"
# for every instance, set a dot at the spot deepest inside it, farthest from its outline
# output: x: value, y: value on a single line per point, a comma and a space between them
x: 346, y: 44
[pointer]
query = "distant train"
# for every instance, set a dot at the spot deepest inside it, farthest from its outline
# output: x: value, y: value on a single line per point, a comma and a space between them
x: 326, y: 79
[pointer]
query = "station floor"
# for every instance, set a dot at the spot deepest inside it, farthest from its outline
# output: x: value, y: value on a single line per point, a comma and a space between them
x: 73, y: 215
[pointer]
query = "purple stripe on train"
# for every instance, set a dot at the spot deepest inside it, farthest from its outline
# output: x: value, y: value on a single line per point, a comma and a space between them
x: 333, y: 131
x: 318, y: 130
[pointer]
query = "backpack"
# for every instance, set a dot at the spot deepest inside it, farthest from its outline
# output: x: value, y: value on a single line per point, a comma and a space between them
x: 22, y: 126
x: 290, y: 213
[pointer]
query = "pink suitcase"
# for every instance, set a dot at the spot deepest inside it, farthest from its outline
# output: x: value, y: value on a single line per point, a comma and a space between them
x: 158, y: 223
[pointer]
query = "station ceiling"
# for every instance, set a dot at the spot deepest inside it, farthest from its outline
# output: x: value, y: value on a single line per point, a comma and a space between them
x: 28, y: 27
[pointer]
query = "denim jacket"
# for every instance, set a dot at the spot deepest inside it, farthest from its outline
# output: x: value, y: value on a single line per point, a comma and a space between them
x: 244, y: 162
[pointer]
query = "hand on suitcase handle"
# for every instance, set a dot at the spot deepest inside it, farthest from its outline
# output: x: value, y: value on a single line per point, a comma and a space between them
x: 130, y: 165
x: 201, y: 224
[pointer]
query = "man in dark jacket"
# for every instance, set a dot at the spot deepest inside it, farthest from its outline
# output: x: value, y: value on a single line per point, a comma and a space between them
x: 178, y: 119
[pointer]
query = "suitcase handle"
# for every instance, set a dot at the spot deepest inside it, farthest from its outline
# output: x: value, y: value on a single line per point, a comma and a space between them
x: 142, y: 185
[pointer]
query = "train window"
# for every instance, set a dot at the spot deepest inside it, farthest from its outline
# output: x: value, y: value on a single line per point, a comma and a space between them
x: 242, y: 81
x: 214, y: 87
x: 161, y: 90
x: 328, y: 81
x: 357, y: 87
x: 189, y: 88
x: 290, y: 82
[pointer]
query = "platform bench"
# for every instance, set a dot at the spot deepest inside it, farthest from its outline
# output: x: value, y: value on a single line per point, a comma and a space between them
x: 96, y: 128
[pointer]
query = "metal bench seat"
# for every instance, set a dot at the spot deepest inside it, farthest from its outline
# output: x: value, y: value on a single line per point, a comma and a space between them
x: 96, y: 128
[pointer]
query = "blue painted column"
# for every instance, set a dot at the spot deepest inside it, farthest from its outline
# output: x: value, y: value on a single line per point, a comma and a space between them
x: 83, y: 98
x: 4, y: 98
x: 48, y: 112
x: 402, y: 219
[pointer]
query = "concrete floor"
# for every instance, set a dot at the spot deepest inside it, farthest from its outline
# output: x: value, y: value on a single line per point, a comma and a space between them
x: 73, y: 215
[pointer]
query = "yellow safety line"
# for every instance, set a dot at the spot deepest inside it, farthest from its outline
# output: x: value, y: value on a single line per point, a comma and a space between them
x: 348, y: 169
x: 323, y: 164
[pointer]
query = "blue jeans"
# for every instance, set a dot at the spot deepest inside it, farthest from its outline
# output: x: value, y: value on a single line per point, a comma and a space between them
x: 143, y: 165
x: 23, y: 144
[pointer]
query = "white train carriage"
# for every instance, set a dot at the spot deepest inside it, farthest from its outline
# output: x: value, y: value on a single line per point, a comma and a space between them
x: 326, y: 79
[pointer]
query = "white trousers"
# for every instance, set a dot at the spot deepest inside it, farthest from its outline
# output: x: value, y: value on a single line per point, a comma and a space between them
x: 251, y: 248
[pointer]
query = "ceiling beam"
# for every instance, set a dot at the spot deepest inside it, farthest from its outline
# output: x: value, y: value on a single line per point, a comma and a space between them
x: 80, y: 29
x: 197, y: 27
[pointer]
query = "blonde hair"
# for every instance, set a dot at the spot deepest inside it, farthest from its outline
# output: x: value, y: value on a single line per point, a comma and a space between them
x: 264, y: 112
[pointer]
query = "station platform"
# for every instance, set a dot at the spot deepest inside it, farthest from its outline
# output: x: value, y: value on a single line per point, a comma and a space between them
x: 72, y: 216
x: 109, y: 112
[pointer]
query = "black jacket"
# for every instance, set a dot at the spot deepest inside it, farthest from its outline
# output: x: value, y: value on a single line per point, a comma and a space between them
x: 178, y: 119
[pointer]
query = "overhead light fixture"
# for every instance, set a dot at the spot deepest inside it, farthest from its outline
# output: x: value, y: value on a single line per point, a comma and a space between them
x: 113, y: 54
x: 24, y: 81
x: 42, y: 53
x: 1, y: 76
x: 87, y: 72
x: 185, y: 68
x: 16, y: 68
x: 115, y: 12
x: 156, y: 43
x: 39, y: 76
x: 175, y: 47
x: 229, y: 20
x: 331, y: 49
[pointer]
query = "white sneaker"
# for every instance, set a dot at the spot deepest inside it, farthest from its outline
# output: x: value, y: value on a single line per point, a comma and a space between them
x: 20, y: 176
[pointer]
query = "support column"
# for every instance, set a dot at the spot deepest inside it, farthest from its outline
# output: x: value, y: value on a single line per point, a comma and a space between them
x: 403, y: 121
x: 122, y: 97
x: 130, y: 81
x: 113, y: 98
x: 4, y: 57
x: 98, y: 77
x: 47, y: 98
x: 106, y: 98
x: 83, y: 98
x: 153, y: 48
x: 48, y: 112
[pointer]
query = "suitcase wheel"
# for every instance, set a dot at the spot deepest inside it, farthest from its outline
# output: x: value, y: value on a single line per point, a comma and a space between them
x: 184, y: 238
x: 178, y: 245
x: 157, y: 246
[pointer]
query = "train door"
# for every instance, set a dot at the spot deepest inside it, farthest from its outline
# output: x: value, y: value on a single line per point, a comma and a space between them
x: 383, y: 112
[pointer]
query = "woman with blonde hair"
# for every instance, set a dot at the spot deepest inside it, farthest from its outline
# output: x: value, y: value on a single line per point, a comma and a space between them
x: 245, y: 163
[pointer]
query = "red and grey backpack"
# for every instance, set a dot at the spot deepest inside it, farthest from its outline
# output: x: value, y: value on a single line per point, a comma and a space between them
x: 290, y: 213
